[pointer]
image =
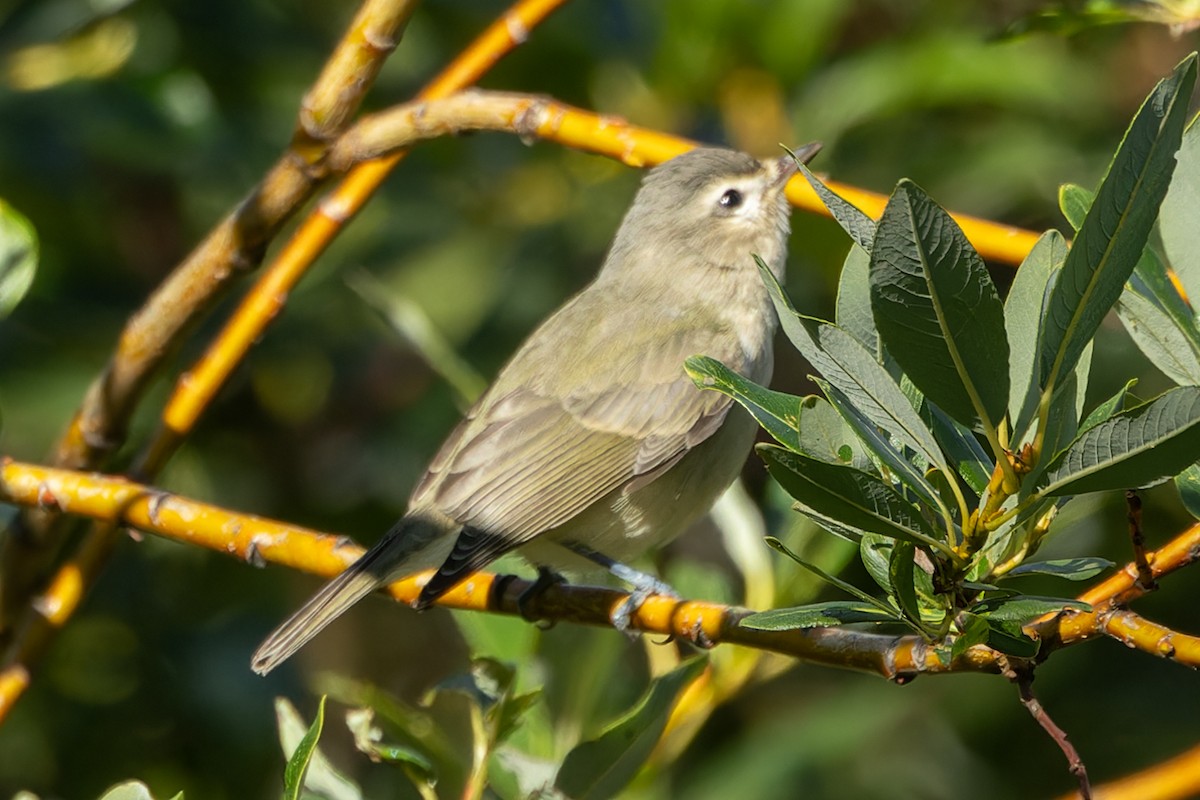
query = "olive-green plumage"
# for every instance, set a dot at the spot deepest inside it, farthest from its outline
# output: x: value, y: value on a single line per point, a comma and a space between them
x: 592, y: 434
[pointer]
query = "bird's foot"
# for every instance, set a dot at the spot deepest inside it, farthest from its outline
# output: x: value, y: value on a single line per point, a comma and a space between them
x: 546, y: 578
x: 643, y: 585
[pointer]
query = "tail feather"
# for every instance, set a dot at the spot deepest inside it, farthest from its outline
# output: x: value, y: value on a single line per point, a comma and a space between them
x: 402, y: 551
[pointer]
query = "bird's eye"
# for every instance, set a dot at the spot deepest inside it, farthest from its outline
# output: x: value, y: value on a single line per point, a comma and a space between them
x: 730, y: 200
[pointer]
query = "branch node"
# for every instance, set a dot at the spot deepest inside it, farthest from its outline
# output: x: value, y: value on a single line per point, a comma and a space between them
x: 518, y: 31
x: 254, y: 556
x: 157, y: 501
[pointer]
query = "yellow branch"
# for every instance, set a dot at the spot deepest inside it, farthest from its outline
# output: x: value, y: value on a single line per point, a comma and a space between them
x: 257, y: 540
x: 236, y: 244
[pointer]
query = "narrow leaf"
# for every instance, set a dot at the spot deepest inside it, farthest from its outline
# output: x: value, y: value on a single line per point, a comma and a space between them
x: 18, y: 257
x: 1023, y: 322
x: 1188, y: 484
x: 1177, y: 220
x: 834, y: 580
x: 1160, y: 340
x: 1072, y: 569
x: 876, y: 554
x: 602, y: 767
x: 1114, y: 233
x: 846, y: 364
x: 967, y: 455
x: 1150, y: 278
x: 368, y: 740
x: 836, y: 527
x: 853, y: 313
x: 974, y: 631
x: 1023, y: 608
x: 853, y: 497
x: 1139, y: 447
x: 777, y: 413
x: 1153, y: 280
x: 901, y: 574
x: 1062, y: 423
x: 854, y: 222
x: 1111, y: 406
x: 817, y: 615
x: 298, y: 762
x: 880, y: 446
x: 1009, y: 639
x: 937, y: 309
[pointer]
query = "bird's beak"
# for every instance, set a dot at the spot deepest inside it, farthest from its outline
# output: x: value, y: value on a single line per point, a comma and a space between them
x: 784, y: 167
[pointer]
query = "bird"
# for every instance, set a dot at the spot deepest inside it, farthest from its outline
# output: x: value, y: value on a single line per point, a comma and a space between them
x: 592, y: 445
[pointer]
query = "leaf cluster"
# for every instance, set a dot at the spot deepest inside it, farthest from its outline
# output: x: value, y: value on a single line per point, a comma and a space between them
x: 951, y: 429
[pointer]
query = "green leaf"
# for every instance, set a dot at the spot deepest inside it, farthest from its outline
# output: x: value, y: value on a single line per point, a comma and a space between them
x: 854, y: 222
x: 834, y: 526
x: 846, y: 364
x: 18, y: 257
x: 1009, y: 639
x: 127, y: 790
x: 967, y: 455
x: 901, y: 574
x: 1188, y: 484
x: 816, y: 615
x: 1075, y: 201
x: 1109, y: 407
x: 1023, y: 608
x: 850, y: 496
x: 833, y: 580
x: 1156, y: 316
x: 825, y: 435
x: 777, y: 413
x: 1023, y: 323
x: 1135, y: 448
x: 1152, y: 280
x: 368, y: 739
x: 937, y: 310
x: 1154, y: 332
x: 974, y: 631
x: 876, y: 554
x: 853, y: 313
x: 1114, y: 233
x: 880, y: 446
x: 602, y: 767
x: 1066, y: 21
x: 297, y: 764
x: 1072, y: 569
x: 1062, y: 423
x: 1177, y: 218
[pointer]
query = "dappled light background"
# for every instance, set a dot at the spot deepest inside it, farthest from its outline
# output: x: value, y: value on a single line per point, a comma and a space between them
x: 127, y: 129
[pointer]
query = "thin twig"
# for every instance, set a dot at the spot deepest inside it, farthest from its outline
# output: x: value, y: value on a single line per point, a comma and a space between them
x: 1133, y: 513
x: 1023, y: 678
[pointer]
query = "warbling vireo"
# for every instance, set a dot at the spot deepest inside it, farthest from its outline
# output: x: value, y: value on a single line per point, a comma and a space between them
x: 593, y: 445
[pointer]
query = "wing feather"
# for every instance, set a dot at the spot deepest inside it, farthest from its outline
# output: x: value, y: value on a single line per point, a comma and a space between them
x: 533, y: 454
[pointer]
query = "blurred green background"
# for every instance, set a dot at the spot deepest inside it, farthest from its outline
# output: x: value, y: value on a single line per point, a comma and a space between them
x: 128, y: 128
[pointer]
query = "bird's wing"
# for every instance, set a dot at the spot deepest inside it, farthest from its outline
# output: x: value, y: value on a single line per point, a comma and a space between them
x: 530, y: 457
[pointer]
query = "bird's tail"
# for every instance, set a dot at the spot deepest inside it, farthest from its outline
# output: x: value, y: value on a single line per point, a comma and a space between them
x: 404, y: 550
